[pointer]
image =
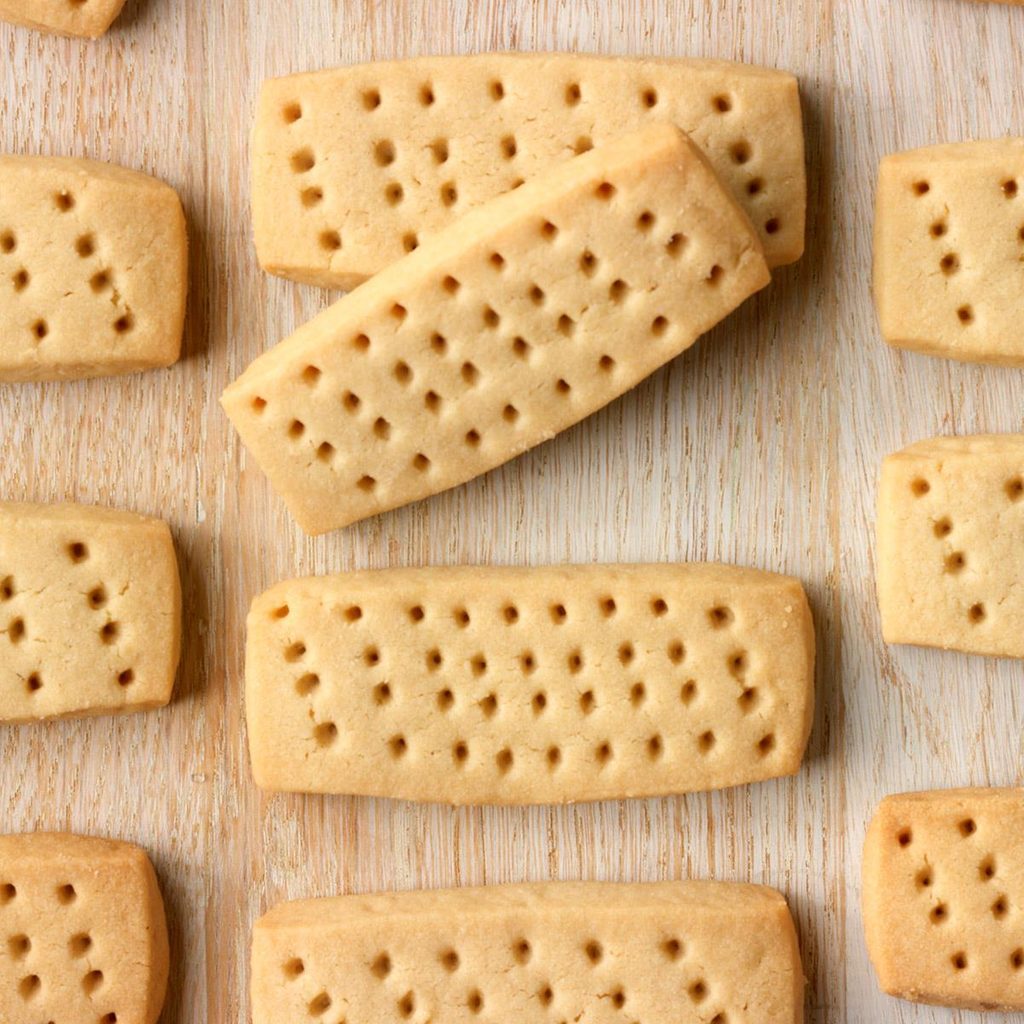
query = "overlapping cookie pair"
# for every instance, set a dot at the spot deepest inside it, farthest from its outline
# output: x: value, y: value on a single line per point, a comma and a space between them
x: 540, y: 232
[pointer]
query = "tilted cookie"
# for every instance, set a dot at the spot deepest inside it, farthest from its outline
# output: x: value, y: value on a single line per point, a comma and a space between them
x: 498, y: 685
x: 662, y: 953
x: 951, y: 544
x: 90, y: 18
x: 517, y: 321
x: 90, y: 612
x: 949, y: 250
x: 93, y: 270
x: 84, y: 940
x: 354, y: 167
x: 944, y: 897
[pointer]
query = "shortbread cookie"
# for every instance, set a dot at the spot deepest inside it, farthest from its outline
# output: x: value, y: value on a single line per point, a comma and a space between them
x: 949, y: 250
x: 497, y: 685
x: 356, y: 166
x: 90, y: 612
x: 663, y: 953
x: 89, y: 18
x: 951, y: 544
x: 944, y: 897
x: 93, y: 269
x: 520, y: 319
x: 82, y: 928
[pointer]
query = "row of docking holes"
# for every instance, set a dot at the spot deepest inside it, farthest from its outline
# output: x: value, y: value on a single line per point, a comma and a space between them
x: 949, y: 263
x: 101, y: 282
x: 304, y: 161
x: 470, y: 373
x: 939, y: 914
x: 372, y: 98
x: 719, y: 616
x: 671, y: 949
x: 97, y: 599
x: 955, y: 562
x: 19, y: 946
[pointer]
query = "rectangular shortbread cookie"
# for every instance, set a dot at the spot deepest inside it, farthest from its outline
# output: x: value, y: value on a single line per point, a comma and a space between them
x: 662, y: 953
x: 356, y: 166
x: 89, y: 18
x: 951, y: 544
x: 544, y: 685
x: 83, y: 938
x: 90, y: 612
x: 517, y: 321
x: 949, y: 250
x: 944, y: 897
x: 93, y: 270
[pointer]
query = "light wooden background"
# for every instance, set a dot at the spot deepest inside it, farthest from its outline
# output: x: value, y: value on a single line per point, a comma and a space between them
x: 761, y: 446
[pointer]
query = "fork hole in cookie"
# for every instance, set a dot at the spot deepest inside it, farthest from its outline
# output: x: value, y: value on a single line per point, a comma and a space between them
x: 294, y: 652
x: 85, y: 246
x: 303, y: 161
x: 306, y: 684
x: 740, y: 152
x: 1015, y: 488
x: 19, y: 946
x: 938, y: 229
x: 919, y: 487
x: 706, y: 742
x: 955, y: 562
x: 920, y: 188
x: 959, y: 961
x: 976, y: 614
x: 40, y: 329
x: 504, y: 761
x: 720, y: 616
x: 66, y: 894
x: 460, y: 752
x: 110, y: 632
x: 1010, y: 188
x: 554, y: 757
x: 967, y: 827
x: 688, y: 691
x: 325, y: 734
x: 539, y: 703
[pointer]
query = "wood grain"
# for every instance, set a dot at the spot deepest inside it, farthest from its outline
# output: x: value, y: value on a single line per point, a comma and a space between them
x: 761, y: 446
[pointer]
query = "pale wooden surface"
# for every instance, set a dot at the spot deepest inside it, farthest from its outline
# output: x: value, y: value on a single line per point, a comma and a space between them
x: 761, y: 445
